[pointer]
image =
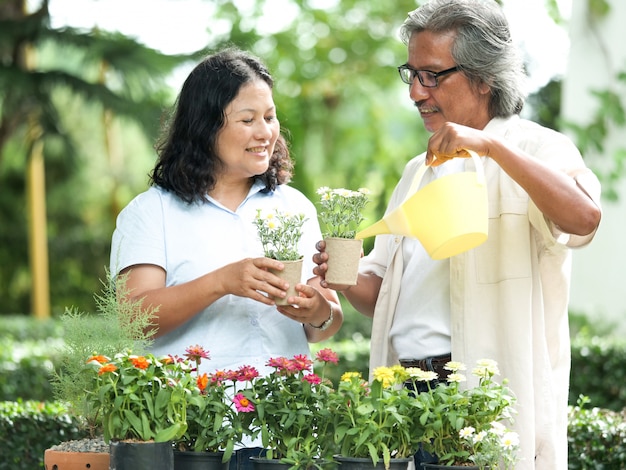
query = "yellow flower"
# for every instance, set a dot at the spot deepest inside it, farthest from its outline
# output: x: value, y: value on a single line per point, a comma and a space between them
x: 348, y: 376
x: 385, y: 375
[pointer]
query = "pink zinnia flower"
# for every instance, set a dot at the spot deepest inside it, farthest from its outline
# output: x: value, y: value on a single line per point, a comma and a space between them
x: 218, y: 377
x: 196, y: 353
x: 313, y: 379
x: 279, y: 363
x: 246, y: 374
x: 301, y: 362
x: 327, y: 355
x: 242, y: 404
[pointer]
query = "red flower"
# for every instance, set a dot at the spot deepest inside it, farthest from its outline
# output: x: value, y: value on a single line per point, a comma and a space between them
x: 242, y: 404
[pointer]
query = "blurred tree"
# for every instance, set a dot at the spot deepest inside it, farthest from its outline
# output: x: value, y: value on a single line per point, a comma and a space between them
x: 350, y: 120
x: 44, y: 74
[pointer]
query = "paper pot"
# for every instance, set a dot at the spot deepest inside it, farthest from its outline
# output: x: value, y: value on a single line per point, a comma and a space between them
x: 343, y: 260
x: 292, y: 274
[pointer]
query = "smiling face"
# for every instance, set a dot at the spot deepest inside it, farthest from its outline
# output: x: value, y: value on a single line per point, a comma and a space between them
x: 455, y: 99
x: 246, y: 141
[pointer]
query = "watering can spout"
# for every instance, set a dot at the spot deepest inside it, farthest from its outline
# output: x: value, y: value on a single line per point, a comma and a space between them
x: 378, y: 228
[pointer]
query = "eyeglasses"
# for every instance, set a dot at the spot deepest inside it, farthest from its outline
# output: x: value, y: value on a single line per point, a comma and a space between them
x: 427, y: 78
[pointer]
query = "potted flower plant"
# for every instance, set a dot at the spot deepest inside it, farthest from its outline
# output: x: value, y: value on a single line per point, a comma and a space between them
x: 213, y: 424
x: 340, y: 215
x: 115, y: 326
x: 464, y: 426
x: 290, y: 412
x: 374, y: 423
x: 280, y: 233
x: 142, y: 400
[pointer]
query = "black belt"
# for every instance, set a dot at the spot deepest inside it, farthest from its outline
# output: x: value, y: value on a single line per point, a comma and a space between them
x: 433, y: 364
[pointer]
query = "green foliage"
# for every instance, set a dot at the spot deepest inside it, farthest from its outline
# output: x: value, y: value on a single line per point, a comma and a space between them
x: 280, y: 234
x: 596, y: 437
x: 138, y: 397
x: 341, y: 211
x: 598, y: 370
x: 28, y: 428
x: 117, y: 326
x: 446, y: 412
x: 289, y: 410
x: 376, y: 419
x: 25, y: 367
x: 75, y: 82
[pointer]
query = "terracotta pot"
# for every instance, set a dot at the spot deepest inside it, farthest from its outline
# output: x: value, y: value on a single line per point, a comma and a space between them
x: 62, y: 460
x: 344, y: 255
x: 365, y: 463
x: 293, y: 275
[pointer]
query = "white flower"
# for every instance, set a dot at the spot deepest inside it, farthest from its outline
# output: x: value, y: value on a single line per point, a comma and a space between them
x: 458, y: 378
x: 509, y: 440
x: 467, y: 432
x: 454, y: 366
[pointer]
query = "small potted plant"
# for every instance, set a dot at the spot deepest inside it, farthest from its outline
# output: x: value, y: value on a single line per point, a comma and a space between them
x: 340, y: 215
x: 464, y: 426
x: 142, y: 400
x: 213, y: 424
x: 114, y: 327
x: 280, y: 234
x: 290, y: 412
x: 374, y: 423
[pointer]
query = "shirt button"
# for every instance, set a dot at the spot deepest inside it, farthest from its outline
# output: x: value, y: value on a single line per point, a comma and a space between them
x: 254, y: 322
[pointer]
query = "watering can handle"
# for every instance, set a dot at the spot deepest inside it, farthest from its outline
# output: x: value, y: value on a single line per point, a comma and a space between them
x: 417, y: 179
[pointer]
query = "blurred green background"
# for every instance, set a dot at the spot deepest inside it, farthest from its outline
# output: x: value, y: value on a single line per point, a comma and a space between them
x: 83, y: 108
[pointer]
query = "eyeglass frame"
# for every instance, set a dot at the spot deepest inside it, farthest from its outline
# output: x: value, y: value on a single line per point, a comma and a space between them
x: 417, y: 73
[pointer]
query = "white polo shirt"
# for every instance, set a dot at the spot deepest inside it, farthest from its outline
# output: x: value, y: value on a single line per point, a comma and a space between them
x: 190, y: 240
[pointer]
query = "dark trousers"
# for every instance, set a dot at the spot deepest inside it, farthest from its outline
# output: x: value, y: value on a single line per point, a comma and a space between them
x: 241, y: 458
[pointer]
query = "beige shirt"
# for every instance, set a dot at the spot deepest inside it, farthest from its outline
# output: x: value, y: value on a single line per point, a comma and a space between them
x: 508, y: 296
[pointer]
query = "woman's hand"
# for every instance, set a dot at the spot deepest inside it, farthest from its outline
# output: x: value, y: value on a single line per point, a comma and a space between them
x: 251, y: 278
x: 309, y: 306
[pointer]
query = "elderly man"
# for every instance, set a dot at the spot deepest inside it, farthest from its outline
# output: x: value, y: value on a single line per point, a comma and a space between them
x: 507, y: 298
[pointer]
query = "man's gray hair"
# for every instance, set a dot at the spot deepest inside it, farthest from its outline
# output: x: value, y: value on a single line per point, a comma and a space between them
x: 483, y: 48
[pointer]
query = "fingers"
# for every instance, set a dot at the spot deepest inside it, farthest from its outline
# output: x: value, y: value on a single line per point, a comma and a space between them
x: 304, y: 306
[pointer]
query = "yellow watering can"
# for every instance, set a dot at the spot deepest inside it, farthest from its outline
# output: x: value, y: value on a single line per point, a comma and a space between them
x: 448, y: 216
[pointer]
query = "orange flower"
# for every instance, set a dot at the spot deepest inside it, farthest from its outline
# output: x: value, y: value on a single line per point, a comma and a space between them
x: 107, y: 368
x: 99, y: 358
x: 202, y: 382
x: 140, y: 362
